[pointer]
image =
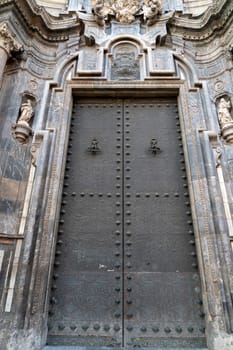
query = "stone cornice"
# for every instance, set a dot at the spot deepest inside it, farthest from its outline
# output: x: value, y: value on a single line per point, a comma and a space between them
x: 204, y: 26
x: 39, y: 20
x: 56, y: 29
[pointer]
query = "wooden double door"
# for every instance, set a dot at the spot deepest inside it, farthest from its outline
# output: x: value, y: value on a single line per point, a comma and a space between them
x: 125, y: 271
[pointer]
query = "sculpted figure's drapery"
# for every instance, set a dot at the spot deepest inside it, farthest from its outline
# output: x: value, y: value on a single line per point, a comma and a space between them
x: 26, y: 112
x: 224, y: 112
x: 225, y: 119
x: 125, y: 11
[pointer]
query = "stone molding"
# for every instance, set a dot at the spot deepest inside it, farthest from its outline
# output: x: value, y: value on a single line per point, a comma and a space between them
x: 213, y: 19
x: 39, y: 20
x: 59, y: 28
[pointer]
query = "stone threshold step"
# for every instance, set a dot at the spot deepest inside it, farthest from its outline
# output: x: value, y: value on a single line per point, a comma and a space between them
x: 50, y: 347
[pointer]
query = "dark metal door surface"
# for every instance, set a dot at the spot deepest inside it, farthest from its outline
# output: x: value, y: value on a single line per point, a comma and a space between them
x: 125, y: 271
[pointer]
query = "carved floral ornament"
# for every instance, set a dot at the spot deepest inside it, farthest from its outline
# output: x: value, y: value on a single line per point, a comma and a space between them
x: 125, y: 11
x: 7, y: 40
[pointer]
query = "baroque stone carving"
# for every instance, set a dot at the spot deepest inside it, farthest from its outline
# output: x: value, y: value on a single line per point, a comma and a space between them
x: 7, y: 40
x: 125, y: 11
x: 26, y: 112
x: 22, y: 129
x: 125, y: 65
x: 151, y: 10
x: 100, y: 11
x: 225, y: 119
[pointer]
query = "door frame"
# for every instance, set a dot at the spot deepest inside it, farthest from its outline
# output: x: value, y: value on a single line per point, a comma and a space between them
x: 199, y: 149
x: 117, y: 99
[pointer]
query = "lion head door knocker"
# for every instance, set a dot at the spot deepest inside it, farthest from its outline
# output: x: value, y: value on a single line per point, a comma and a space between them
x: 154, y: 149
x: 94, y: 147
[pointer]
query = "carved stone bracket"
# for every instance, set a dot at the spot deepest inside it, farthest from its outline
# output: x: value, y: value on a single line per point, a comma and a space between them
x: 8, y: 41
x: 8, y: 44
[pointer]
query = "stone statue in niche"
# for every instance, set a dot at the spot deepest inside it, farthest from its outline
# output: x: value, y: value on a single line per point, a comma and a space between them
x: 151, y: 10
x: 26, y: 112
x: 22, y: 129
x: 225, y: 119
x: 125, y: 65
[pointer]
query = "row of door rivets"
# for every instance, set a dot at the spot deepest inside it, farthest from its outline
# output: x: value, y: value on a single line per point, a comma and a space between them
x: 58, y: 252
x: 129, y: 328
x: 59, y: 243
x: 188, y: 213
x: 118, y: 213
x: 96, y: 327
x: 185, y: 185
x: 166, y: 329
x: 139, y: 105
x: 128, y: 222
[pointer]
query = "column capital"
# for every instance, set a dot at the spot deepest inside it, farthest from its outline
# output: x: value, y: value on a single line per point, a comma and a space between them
x: 7, y: 40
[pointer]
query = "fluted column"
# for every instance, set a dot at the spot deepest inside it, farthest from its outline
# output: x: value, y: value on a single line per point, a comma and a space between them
x: 8, y: 44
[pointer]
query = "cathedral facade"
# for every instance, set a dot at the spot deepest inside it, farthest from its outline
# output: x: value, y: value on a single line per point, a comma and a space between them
x: 116, y: 166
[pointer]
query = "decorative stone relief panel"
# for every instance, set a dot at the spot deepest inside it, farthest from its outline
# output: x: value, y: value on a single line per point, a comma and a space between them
x: 90, y: 62
x: 212, y: 68
x: 122, y: 29
x: 219, y: 85
x: 161, y: 61
x: 125, y: 63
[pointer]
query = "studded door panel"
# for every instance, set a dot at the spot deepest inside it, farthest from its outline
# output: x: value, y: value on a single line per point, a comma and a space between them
x: 161, y: 285
x: 125, y: 271
x: 86, y: 298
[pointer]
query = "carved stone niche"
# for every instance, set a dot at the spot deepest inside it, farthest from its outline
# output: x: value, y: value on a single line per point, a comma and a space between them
x: 125, y: 62
x: 224, y: 111
x: 22, y: 128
